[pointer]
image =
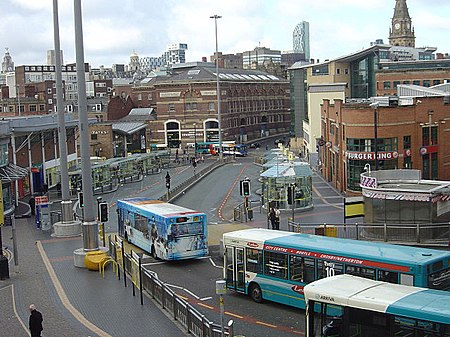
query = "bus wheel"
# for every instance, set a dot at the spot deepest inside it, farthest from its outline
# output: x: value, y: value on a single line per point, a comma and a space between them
x: 256, y: 293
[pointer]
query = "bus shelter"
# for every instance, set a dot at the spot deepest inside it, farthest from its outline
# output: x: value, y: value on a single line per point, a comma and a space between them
x: 277, y: 179
x: 102, y: 180
x: 126, y: 170
x: 152, y: 162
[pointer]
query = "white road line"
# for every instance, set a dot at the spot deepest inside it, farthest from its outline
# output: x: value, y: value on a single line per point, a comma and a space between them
x: 152, y: 264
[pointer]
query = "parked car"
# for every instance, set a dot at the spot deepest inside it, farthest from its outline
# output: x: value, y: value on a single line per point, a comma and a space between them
x: 255, y: 145
x: 278, y: 140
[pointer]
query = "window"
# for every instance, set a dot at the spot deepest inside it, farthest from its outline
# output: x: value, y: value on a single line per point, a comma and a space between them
x: 93, y: 136
x: 139, y: 97
x: 416, y: 82
x: 211, y: 106
x: 406, y: 82
x: 254, y: 260
x: 396, y: 83
x: 49, y: 91
x: 41, y: 107
x: 33, y: 108
x: 406, y: 142
x: 436, y: 82
x: 194, y: 106
x: 50, y: 101
x: 360, y: 271
x: 301, y: 269
x: 275, y: 264
x: 426, y: 83
x: 329, y: 268
x: 386, y: 85
x: 171, y: 107
x: 338, y: 71
x: 388, y: 276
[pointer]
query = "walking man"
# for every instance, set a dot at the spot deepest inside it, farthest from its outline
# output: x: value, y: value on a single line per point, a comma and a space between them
x: 35, y: 322
x: 277, y: 219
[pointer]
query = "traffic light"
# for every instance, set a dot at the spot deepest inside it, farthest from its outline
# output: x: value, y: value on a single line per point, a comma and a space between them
x: 168, y: 180
x: 290, y: 194
x: 103, y: 212
x: 80, y: 199
x: 245, y: 188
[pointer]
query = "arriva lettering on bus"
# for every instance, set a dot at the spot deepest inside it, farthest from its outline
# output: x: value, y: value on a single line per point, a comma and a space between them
x: 325, y: 298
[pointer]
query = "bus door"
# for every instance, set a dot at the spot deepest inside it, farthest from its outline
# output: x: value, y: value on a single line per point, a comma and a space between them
x: 235, y: 274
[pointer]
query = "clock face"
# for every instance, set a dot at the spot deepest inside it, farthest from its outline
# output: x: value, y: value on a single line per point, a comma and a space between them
x: 397, y: 26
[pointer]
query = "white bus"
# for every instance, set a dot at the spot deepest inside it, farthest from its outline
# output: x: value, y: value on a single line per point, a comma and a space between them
x: 167, y: 231
x: 351, y: 306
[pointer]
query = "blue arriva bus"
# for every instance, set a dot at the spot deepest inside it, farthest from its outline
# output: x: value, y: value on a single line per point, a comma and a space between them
x: 166, y: 231
x: 351, y: 306
x: 276, y: 265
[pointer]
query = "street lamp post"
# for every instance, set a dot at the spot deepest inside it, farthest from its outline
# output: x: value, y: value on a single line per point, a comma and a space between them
x: 375, y: 106
x: 195, y: 140
x: 215, y: 17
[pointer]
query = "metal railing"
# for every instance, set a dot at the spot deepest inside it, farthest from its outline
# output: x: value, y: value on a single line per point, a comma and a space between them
x: 183, y: 312
x: 430, y: 234
x: 243, y: 215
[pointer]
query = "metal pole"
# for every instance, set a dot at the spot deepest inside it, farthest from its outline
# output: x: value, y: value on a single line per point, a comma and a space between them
x: 375, y: 125
x: 66, y: 203
x: 195, y: 141
x: 13, y: 232
x: 90, y: 225
x: 215, y: 17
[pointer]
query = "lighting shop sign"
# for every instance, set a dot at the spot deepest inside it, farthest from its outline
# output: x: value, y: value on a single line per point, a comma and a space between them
x: 371, y: 155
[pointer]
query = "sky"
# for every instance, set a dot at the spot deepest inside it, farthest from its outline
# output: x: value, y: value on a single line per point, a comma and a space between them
x: 113, y: 29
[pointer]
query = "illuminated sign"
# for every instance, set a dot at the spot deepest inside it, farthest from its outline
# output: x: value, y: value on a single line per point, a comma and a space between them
x: 371, y: 155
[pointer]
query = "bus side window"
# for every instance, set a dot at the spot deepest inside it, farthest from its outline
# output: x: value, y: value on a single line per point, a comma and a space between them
x: 296, y: 268
x: 254, y: 260
x: 388, y: 276
x: 309, y: 269
x: 407, y: 279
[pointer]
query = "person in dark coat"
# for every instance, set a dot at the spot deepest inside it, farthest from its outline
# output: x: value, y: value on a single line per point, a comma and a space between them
x: 35, y: 322
x: 272, y: 218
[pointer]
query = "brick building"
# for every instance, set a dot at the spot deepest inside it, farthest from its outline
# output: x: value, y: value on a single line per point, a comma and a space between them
x: 411, y: 133
x: 253, y: 104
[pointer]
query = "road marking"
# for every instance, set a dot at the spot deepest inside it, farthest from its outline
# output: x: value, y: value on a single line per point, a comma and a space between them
x: 13, y: 299
x: 152, y: 264
x: 206, y: 298
x: 234, y: 315
x: 63, y: 296
x: 266, y: 324
x: 205, y: 305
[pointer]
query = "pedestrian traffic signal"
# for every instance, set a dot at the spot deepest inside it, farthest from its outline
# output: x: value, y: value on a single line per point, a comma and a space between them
x: 290, y: 194
x: 80, y: 199
x: 104, y: 212
x: 245, y: 188
x: 168, y: 180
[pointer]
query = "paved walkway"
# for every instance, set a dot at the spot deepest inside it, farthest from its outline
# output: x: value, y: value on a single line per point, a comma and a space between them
x: 74, y: 302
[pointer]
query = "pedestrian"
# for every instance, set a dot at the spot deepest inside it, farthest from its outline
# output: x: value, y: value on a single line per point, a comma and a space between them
x: 272, y: 217
x: 277, y: 218
x: 35, y: 322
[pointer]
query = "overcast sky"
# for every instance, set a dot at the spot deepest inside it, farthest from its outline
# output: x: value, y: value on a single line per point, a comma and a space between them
x: 114, y: 28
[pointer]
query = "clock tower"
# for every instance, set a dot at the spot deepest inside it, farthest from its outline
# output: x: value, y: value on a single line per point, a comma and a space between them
x: 7, y: 64
x: 401, y: 32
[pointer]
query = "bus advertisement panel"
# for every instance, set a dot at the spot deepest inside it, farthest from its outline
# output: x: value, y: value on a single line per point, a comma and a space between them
x: 276, y: 265
x: 346, y: 305
x: 165, y: 230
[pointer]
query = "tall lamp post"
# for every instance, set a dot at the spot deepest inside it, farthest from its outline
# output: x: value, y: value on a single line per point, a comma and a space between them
x: 375, y: 106
x: 215, y: 17
x: 195, y: 140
